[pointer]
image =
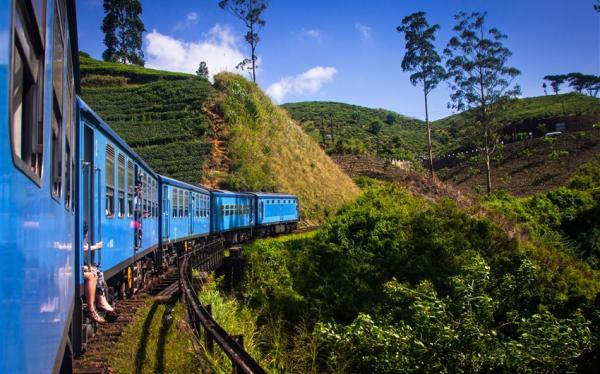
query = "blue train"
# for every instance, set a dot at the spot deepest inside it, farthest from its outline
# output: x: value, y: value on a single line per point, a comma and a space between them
x: 62, y: 167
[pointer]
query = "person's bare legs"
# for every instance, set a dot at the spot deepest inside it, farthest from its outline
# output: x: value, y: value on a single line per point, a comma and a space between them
x: 90, y: 289
x: 90, y: 295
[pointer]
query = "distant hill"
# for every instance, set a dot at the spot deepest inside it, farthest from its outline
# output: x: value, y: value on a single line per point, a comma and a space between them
x: 400, y: 137
x: 453, y: 132
x: 156, y: 112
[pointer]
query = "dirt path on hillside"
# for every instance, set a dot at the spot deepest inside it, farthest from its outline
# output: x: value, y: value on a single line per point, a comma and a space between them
x: 216, y: 168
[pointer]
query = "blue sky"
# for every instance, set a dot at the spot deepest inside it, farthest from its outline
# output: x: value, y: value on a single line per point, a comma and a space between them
x: 350, y: 51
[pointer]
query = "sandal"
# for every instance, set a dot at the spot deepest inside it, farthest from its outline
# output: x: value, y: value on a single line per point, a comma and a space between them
x: 94, y: 316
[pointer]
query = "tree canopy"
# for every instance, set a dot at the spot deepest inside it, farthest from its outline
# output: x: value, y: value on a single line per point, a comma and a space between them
x: 481, y: 78
x: 123, y: 28
x: 250, y: 13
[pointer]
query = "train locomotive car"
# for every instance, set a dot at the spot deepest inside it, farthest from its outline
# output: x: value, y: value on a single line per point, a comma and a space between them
x: 232, y: 215
x: 185, y: 215
x: 39, y: 81
x: 276, y: 213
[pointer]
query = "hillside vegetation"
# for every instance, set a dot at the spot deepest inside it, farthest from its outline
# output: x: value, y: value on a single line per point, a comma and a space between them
x: 454, y: 132
x: 159, y: 114
x: 396, y: 283
x: 527, y: 167
x: 399, y: 137
x: 268, y: 151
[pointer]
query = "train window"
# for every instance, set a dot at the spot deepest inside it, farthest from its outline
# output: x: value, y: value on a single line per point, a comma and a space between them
x: 121, y: 182
x: 154, y: 199
x: 130, y: 187
x: 180, y: 203
x: 27, y: 89
x: 110, y: 181
x: 185, y: 204
x: 174, y: 202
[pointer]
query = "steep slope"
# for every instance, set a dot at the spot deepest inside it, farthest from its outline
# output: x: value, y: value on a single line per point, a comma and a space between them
x: 268, y: 151
x: 158, y: 113
x: 345, y: 128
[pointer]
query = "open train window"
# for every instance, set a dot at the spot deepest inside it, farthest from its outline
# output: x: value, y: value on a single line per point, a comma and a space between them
x: 174, y: 202
x: 121, y: 182
x: 27, y: 126
x: 130, y: 187
x: 110, y: 181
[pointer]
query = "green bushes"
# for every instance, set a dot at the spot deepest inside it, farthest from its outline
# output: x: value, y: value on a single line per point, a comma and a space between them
x: 394, y: 283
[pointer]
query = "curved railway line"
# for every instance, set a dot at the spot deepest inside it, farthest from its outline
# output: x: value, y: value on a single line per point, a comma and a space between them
x: 167, y: 288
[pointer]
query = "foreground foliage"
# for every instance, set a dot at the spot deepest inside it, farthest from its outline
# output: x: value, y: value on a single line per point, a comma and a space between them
x: 394, y: 283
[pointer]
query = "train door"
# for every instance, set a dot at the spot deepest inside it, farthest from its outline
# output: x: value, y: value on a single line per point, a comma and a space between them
x: 166, y: 213
x: 192, y: 210
x: 138, y: 208
x: 92, y: 195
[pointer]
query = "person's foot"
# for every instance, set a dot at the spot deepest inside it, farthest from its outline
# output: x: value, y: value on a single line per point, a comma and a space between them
x: 94, y: 316
x: 103, y: 304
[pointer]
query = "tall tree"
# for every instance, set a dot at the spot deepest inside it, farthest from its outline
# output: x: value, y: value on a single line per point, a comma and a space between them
x: 123, y: 28
x: 423, y: 61
x: 481, y: 80
x: 584, y: 82
x: 202, y: 70
x: 555, y: 81
x: 545, y: 87
x: 250, y: 12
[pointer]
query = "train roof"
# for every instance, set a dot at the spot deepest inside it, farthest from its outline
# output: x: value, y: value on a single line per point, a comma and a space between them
x: 274, y: 195
x: 114, y: 136
x: 180, y: 184
x: 231, y: 193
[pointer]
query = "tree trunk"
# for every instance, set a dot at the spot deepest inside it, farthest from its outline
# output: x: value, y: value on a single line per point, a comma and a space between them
x: 488, y: 168
x: 428, y: 136
x: 253, y: 47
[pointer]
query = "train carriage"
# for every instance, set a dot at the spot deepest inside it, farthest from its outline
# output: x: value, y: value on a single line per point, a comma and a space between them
x: 232, y: 215
x: 276, y: 213
x: 38, y: 84
x: 119, y: 192
x: 185, y: 212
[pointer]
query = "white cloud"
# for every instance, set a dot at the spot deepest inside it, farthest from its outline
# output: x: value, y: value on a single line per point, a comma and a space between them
x: 364, y: 31
x: 312, y: 33
x: 190, y: 20
x: 309, y: 82
x: 219, y: 48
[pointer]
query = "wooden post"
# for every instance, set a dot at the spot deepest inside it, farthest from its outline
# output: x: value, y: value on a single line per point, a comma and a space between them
x: 208, y: 339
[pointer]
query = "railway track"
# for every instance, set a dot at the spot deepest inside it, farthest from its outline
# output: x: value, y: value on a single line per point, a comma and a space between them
x: 96, y: 359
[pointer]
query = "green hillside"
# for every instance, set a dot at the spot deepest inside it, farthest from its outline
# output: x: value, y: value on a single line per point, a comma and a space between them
x: 268, y: 151
x: 157, y: 113
x: 400, y: 136
x: 453, y: 132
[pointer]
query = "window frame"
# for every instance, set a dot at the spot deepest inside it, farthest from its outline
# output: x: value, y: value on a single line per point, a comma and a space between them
x: 109, y: 209
x: 29, y: 37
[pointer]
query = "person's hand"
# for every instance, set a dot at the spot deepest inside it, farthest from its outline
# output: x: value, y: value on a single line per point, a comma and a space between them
x: 99, y: 245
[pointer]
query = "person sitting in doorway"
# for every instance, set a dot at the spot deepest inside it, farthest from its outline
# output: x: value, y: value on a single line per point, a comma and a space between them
x: 94, y: 284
